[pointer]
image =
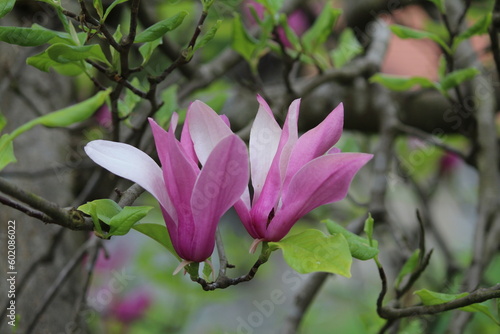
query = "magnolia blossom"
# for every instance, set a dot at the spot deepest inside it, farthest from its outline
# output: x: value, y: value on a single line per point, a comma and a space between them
x: 292, y: 176
x: 192, y: 200
x: 131, y: 307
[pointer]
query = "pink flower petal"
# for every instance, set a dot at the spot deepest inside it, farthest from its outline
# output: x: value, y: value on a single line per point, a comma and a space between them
x: 316, y: 142
x: 263, y: 206
x: 131, y: 163
x: 187, y: 142
x: 264, y: 140
x: 181, y: 174
x: 207, y: 129
x: 220, y: 184
x: 324, y: 180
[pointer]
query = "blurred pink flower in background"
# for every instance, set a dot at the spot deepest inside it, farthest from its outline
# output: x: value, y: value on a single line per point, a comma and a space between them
x: 131, y: 306
x: 297, y: 20
x: 103, y: 117
x: 448, y: 163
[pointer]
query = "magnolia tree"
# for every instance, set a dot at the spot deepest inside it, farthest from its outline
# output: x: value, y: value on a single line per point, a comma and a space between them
x: 242, y: 122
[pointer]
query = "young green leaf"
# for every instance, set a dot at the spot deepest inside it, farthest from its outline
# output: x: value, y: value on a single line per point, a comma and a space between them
x: 273, y: 6
x: 210, y: 34
x: 348, y: 48
x: 146, y: 50
x: 159, y: 29
x: 440, y: 5
x: 207, y: 271
x: 321, y: 29
x: 405, y: 33
x: 410, y: 265
x: 110, y: 8
x: 6, y: 6
x: 3, y: 121
x: 312, y: 250
x: 433, y: 298
x: 158, y: 233
x: 63, y: 53
x: 125, y: 219
x: 290, y: 33
x: 105, y: 209
x: 358, y: 246
x: 478, y: 28
x: 75, y: 113
x: 368, y: 229
x: 399, y: 83
x: 455, y: 78
x: 169, y: 98
x: 98, y: 7
x: 95, y: 218
x: 242, y: 42
x: 60, y: 118
x: 25, y: 36
x: 44, y: 63
x: 6, y: 151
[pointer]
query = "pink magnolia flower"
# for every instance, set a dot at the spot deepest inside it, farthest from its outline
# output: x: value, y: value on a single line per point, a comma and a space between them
x: 192, y: 200
x: 131, y: 307
x: 297, y: 20
x: 292, y: 176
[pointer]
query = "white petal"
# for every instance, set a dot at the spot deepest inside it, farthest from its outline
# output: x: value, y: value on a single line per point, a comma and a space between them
x: 207, y: 129
x: 131, y: 163
x: 264, y: 140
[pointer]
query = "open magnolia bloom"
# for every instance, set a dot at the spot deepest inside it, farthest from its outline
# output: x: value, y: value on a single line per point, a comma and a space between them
x: 192, y: 199
x: 292, y: 176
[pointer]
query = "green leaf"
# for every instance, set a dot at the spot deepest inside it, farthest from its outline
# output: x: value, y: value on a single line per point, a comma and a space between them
x: 242, y: 42
x: 207, y: 271
x: 158, y: 233
x: 63, y: 53
x: 6, y: 151
x: 478, y: 28
x: 25, y: 36
x: 399, y: 83
x: 442, y: 67
x: 159, y: 29
x: 440, y: 5
x: 75, y: 113
x: 43, y: 62
x: 95, y: 218
x: 359, y: 247
x: 105, y: 209
x: 146, y: 50
x: 368, y: 229
x: 348, y: 48
x: 273, y: 6
x: 312, y: 250
x: 410, y: 265
x: 316, y: 36
x: 290, y: 33
x: 169, y: 98
x: 110, y: 8
x: 405, y: 33
x: 125, y: 219
x: 210, y: 34
x: 3, y: 121
x: 98, y: 7
x: 455, y: 78
x: 434, y: 298
x: 6, y: 6
x: 127, y: 104
x: 67, y: 116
